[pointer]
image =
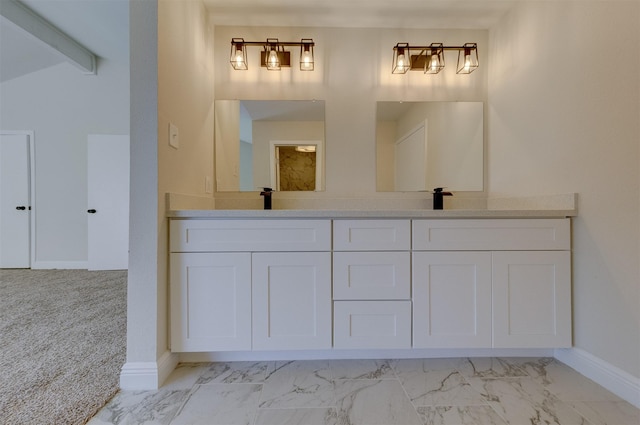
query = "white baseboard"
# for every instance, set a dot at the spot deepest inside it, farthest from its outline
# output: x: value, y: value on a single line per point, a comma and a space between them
x: 59, y: 265
x: 616, y: 380
x: 229, y: 356
x: 147, y: 375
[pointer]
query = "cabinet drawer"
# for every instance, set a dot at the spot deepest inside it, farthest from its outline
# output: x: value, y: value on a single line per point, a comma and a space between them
x: 371, y: 235
x: 491, y: 234
x: 250, y: 235
x: 372, y: 324
x: 371, y: 275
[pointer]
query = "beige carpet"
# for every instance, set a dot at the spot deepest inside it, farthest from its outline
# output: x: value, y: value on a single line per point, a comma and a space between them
x: 62, y: 344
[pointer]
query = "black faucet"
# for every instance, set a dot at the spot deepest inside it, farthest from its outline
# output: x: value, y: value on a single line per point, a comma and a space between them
x: 267, y: 192
x: 438, y: 199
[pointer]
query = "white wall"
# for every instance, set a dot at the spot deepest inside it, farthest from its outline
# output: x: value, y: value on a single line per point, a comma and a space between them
x: 564, y: 105
x: 63, y: 106
x: 172, y: 81
x: 144, y: 314
x: 352, y: 72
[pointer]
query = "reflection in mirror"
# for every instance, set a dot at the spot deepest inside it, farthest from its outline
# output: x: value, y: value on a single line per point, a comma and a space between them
x: 296, y: 166
x: 261, y: 143
x: 424, y: 145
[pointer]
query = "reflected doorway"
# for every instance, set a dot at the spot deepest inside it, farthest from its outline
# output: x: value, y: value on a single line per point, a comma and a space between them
x: 296, y: 166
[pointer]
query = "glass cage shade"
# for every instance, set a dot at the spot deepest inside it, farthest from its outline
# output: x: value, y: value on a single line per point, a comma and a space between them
x: 467, y: 59
x: 272, y: 61
x: 401, y: 58
x: 434, y: 62
x: 306, y: 55
x: 238, y: 54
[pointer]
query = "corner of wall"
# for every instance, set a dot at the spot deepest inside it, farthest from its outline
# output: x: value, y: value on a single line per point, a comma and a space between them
x: 137, y: 376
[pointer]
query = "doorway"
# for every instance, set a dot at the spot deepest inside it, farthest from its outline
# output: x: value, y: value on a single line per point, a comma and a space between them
x: 17, y: 194
x: 296, y: 166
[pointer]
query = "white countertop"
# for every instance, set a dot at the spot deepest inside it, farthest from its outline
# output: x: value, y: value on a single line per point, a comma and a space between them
x: 346, y: 213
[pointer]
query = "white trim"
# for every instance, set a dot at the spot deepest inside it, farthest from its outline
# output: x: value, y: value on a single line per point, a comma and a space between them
x: 52, y: 265
x: 147, y: 375
x: 616, y: 380
x: 361, y: 354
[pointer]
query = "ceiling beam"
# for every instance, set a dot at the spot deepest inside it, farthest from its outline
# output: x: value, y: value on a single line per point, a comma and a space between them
x: 44, y: 32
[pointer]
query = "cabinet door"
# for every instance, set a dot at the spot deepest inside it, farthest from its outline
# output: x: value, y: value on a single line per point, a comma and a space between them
x: 210, y: 301
x: 532, y: 299
x: 451, y: 299
x: 291, y: 300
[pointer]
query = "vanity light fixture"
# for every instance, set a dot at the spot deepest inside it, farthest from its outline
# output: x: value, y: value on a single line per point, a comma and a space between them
x: 310, y: 148
x: 430, y: 59
x: 273, y: 55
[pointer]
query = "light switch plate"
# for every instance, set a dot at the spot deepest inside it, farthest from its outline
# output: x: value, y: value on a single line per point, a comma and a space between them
x: 174, y: 139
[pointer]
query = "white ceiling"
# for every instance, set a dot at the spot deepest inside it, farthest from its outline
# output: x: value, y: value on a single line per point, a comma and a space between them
x: 102, y: 26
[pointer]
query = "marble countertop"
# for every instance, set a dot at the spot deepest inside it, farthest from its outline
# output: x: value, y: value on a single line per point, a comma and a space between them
x: 371, y: 213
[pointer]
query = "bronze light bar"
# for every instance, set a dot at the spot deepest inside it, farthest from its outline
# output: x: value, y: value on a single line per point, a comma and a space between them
x: 430, y: 59
x: 273, y: 56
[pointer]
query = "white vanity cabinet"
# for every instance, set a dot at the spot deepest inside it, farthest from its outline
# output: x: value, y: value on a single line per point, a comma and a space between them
x: 302, y: 281
x: 250, y: 284
x: 492, y: 283
x: 371, y: 284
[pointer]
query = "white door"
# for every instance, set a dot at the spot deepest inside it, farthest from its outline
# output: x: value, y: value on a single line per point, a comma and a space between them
x: 291, y: 300
x: 15, y: 205
x: 108, y: 202
x: 451, y: 299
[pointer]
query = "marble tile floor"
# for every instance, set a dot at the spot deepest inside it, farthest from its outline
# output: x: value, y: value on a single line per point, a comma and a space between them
x: 478, y: 391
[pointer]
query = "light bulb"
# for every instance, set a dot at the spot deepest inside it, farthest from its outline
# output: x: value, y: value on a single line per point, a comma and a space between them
x: 400, y: 61
x: 434, y: 63
x: 467, y: 63
x: 239, y: 59
x: 273, y: 59
x: 306, y: 60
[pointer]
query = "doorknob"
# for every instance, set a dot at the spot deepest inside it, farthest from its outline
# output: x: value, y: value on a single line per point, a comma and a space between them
x: 92, y: 211
x: 21, y: 208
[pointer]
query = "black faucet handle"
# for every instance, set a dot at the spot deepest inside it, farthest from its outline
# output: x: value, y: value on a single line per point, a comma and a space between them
x: 439, y: 190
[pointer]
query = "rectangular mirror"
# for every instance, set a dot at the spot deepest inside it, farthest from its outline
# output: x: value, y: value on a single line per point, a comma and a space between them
x: 269, y: 143
x: 424, y: 145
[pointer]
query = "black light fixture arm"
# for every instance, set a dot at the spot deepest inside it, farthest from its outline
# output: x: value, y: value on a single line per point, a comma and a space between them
x: 277, y: 43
